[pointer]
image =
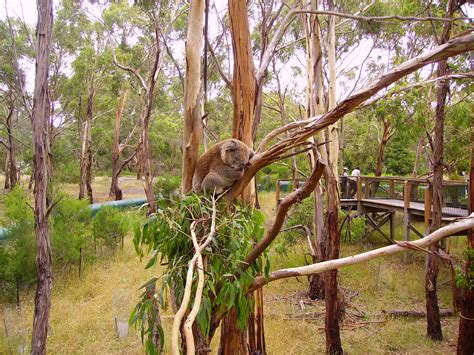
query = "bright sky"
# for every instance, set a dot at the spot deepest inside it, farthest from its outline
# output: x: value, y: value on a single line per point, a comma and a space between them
x: 26, y: 9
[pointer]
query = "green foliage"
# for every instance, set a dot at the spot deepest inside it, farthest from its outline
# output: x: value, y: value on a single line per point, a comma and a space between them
x: 167, y: 186
x: 299, y: 215
x: 109, y: 227
x: 70, y: 229
x: 353, y: 229
x: 18, y: 250
x: 463, y: 280
x: 166, y: 236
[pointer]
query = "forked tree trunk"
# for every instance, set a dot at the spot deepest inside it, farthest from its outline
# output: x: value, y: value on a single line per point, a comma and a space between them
x: 192, y: 85
x: 315, y: 107
x: 41, y: 144
x: 90, y: 105
x: 466, y: 316
x: 233, y: 340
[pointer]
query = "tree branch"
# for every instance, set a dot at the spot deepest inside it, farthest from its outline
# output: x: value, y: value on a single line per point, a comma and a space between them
x: 431, y: 239
x: 451, y: 48
x: 294, y: 197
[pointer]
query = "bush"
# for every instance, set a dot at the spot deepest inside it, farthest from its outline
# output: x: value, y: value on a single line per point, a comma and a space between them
x: 18, y: 250
x: 109, y: 227
x: 300, y: 214
x: 167, y: 186
x: 70, y: 228
x: 354, y: 227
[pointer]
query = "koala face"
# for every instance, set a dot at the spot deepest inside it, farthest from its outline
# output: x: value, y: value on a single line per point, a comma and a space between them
x: 236, y: 154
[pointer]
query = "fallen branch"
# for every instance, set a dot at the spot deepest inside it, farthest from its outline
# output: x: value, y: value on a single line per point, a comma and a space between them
x: 418, y: 314
x: 431, y: 239
x: 189, y: 280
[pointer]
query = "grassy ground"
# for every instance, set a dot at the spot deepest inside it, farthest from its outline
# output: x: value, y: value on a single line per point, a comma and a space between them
x: 83, y: 311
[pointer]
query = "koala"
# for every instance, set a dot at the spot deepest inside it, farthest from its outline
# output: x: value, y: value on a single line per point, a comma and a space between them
x: 221, y: 165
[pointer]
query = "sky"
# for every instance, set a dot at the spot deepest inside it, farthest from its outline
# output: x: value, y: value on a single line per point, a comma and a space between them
x: 26, y: 9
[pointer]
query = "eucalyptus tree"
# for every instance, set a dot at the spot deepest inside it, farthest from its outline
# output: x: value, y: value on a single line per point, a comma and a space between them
x: 15, y: 101
x: 40, y: 117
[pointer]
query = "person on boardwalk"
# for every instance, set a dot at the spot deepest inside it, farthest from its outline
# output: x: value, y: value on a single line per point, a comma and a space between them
x: 344, y: 183
x: 353, y: 182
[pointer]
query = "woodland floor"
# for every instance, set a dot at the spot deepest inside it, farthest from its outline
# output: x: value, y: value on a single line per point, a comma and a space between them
x: 84, y: 310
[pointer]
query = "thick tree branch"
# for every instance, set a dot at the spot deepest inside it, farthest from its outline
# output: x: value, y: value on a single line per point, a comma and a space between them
x: 294, y: 197
x: 380, y: 18
x: 454, y: 47
x: 373, y: 100
x: 431, y: 239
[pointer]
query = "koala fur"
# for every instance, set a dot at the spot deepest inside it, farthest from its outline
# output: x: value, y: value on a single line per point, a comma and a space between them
x: 220, y: 166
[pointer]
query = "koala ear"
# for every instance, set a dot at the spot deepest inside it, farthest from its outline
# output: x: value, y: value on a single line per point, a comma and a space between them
x: 230, y: 145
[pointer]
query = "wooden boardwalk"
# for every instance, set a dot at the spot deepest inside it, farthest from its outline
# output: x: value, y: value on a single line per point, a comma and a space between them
x: 379, y: 198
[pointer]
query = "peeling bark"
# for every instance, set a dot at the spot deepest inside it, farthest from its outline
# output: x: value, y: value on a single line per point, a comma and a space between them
x: 40, y: 120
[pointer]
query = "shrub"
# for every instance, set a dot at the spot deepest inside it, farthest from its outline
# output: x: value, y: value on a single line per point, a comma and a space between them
x: 166, y: 236
x: 167, y: 186
x: 109, y: 227
x: 353, y: 229
x: 70, y: 225
x: 300, y: 214
x: 18, y: 250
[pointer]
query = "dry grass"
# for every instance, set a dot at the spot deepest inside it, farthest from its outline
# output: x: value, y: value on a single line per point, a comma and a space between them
x: 83, y: 311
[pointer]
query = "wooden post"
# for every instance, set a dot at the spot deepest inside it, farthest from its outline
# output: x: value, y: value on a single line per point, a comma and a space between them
x: 368, y: 187
x: 392, y: 225
x: 391, y: 189
x: 359, y: 194
x: 406, y: 212
x: 277, y: 192
x: 427, y: 209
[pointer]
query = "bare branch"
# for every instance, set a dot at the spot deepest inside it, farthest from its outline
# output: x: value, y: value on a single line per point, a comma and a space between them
x: 422, y: 83
x: 294, y: 197
x: 219, y: 69
x: 451, y: 48
x: 129, y: 69
x: 431, y: 239
x: 379, y: 18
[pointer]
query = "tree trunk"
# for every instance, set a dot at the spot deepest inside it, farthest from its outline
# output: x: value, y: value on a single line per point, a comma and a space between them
x: 82, y: 171
x: 386, y: 135
x: 192, y: 85
x: 90, y: 105
x: 432, y: 309
x: 41, y: 145
x: 315, y: 107
x: 115, y: 191
x: 233, y: 340
x: 6, y: 168
x: 333, y: 338
x: 333, y: 129
x: 13, y: 172
x: 466, y: 320
x: 416, y: 165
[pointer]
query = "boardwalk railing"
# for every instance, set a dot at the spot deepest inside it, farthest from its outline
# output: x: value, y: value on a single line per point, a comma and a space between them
x: 408, y: 190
